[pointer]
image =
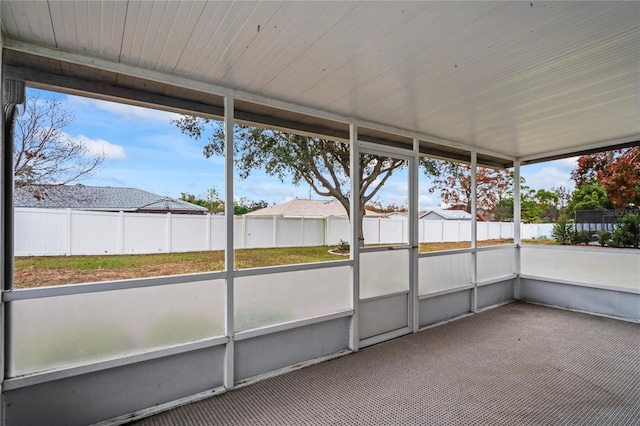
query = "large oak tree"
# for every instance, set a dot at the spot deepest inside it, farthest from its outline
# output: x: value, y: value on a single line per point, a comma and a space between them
x: 321, y: 163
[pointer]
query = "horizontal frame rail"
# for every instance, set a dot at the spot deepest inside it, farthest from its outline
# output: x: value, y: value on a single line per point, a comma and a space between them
x: 497, y: 280
x: 445, y: 252
x: 256, y: 332
x: 290, y: 268
x: 606, y: 250
x: 389, y: 247
x: 63, y: 373
x: 496, y: 247
x: 467, y: 250
x: 581, y: 284
x: 445, y: 291
x: 70, y: 289
x: 384, y: 296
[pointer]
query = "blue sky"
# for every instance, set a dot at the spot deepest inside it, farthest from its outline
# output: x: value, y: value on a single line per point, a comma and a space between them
x: 144, y: 150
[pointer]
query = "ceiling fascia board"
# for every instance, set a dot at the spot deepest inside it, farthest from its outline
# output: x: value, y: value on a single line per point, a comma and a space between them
x: 592, y: 148
x: 159, y: 77
x: 391, y: 151
x: 116, y: 67
x: 430, y: 138
x: 75, y: 86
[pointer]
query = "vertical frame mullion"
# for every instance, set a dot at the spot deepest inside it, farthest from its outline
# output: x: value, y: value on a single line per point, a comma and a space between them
x: 474, y: 229
x: 414, y: 236
x: 517, y: 220
x: 229, y: 254
x: 354, y: 214
x: 5, y: 251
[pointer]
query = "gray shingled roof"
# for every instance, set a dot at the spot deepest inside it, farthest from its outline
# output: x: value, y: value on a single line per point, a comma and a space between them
x: 81, y: 197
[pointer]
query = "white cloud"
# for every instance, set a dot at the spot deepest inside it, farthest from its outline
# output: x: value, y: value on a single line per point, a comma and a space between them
x: 551, y: 174
x: 100, y: 146
x: 427, y: 202
x: 257, y: 188
x: 569, y: 163
x: 125, y: 111
x: 550, y: 177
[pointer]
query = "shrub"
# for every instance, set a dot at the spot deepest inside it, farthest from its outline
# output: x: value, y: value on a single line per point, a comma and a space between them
x: 343, y: 246
x: 604, y: 238
x: 626, y: 232
x: 563, y: 231
x: 581, y: 237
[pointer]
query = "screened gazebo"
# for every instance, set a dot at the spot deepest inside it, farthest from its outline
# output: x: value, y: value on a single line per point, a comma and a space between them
x: 491, y: 84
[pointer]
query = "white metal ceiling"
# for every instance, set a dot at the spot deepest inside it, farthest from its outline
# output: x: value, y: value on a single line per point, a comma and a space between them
x: 524, y: 79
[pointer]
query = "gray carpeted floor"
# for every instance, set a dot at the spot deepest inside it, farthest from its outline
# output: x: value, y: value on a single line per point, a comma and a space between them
x: 517, y: 364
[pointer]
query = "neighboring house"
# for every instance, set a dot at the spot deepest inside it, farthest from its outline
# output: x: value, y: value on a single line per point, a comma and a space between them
x: 99, y: 198
x: 309, y: 208
x: 397, y: 215
x: 446, y: 215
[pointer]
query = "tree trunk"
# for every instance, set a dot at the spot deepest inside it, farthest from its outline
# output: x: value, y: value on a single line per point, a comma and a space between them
x: 345, y: 204
x: 361, y: 228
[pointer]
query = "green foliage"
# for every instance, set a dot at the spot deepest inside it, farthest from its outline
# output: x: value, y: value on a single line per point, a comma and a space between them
x: 626, y: 232
x: 538, y: 206
x: 210, y: 200
x: 590, y: 196
x: 581, y: 237
x: 535, y: 205
x: 214, y: 204
x: 320, y: 163
x: 344, y: 246
x: 563, y: 231
x: 604, y: 237
x: 245, y: 205
x: 618, y: 171
x: 240, y: 210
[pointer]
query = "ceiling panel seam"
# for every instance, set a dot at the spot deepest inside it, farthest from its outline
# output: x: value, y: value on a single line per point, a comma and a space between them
x: 53, y: 28
x: 124, y: 26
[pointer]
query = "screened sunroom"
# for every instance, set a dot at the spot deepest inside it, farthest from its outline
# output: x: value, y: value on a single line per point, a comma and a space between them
x: 389, y: 333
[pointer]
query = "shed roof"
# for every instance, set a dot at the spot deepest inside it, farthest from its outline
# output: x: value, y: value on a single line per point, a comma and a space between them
x: 101, y: 198
x: 450, y: 214
x: 304, y: 208
x: 308, y: 208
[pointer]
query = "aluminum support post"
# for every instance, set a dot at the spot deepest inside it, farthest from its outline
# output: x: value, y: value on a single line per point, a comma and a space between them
x: 354, y: 226
x: 474, y: 229
x: 414, y: 237
x: 517, y: 225
x: 228, y: 377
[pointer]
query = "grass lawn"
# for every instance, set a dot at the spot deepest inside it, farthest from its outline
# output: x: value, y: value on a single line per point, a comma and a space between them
x: 425, y: 247
x: 57, y: 270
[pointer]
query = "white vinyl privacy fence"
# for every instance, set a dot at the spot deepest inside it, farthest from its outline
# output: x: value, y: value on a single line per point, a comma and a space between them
x: 49, y: 232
